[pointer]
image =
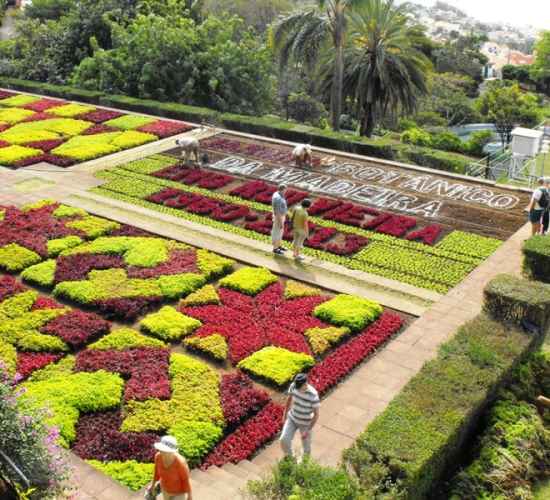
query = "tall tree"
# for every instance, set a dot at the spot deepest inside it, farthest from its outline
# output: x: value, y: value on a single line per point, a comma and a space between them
x: 505, y: 105
x: 301, y: 35
x: 540, y: 71
x: 384, y: 72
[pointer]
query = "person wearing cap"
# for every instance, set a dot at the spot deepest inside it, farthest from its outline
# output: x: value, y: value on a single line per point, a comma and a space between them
x: 301, y: 413
x: 171, y: 470
x: 280, y: 209
x: 302, y: 155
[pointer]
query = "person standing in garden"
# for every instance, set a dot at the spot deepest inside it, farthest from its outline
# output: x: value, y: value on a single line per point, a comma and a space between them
x: 540, y: 201
x: 300, y: 228
x: 171, y: 470
x: 280, y: 209
x: 301, y: 413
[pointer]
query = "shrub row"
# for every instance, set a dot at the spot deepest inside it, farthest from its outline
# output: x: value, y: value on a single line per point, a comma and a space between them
x: 536, y: 258
x: 269, y: 126
x: 409, y: 447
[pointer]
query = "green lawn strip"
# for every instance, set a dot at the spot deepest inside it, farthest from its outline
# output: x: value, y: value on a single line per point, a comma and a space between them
x: 407, y: 448
x: 536, y: 258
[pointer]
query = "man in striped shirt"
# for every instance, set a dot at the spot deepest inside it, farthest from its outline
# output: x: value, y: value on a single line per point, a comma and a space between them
x: 301, y: 413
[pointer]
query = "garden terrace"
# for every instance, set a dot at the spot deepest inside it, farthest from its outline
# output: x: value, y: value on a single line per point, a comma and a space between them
x: 36, y: 130
x: 419, y: 251
x: 225, y: 330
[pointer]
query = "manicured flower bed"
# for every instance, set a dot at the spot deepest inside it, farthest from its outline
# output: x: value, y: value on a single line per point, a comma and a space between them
x: 410, y: 258
x: 123, y: 276
x: 113, y: 392
x: 72, y: 132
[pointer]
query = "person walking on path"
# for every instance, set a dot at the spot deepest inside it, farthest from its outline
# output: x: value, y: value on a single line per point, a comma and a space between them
x: 302, y: 155
x: 280, y: 209
x: 538, y: 204
x: 171, y: 470
x: 300, y: 228
x: 301, y: 413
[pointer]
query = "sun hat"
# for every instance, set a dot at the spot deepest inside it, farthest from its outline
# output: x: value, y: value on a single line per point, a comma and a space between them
x: 168, y: 444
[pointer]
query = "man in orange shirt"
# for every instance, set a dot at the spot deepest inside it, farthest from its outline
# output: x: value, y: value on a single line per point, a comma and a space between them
x: 171, y: 470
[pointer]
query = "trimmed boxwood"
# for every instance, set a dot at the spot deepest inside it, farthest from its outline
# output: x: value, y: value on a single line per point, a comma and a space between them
x: 61, y: 91
x: 536, y: 258
x: 508, y: 298
x: 406, y: 450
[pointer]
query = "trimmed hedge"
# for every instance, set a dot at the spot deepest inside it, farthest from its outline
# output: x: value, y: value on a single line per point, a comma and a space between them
x: 406, y: 450
x: 508, y: 298
x: 268, y: 126
x: 536, y: 258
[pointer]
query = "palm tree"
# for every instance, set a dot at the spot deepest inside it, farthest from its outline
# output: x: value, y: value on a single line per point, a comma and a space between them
x: 384, y: 71
x: 300, y: 36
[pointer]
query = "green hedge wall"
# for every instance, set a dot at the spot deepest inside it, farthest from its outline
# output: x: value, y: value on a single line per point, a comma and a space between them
x: 387, y: 149
x: 508, y: 298
x: 536, y: 258
x: 406, y: 450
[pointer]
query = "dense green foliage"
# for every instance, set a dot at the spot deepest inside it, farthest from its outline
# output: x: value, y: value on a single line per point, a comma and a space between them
x: 218, y: 64
x: 514, y: 450
x: 536, y: 258
x: 408, y: 447
x: 305, y: 481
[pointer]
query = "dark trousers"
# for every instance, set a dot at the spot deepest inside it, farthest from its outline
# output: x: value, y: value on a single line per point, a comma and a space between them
x: 545, y: 221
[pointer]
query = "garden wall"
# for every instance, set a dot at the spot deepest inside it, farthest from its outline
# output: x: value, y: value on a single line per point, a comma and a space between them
x: 409, y: 447
x: 266, y: 126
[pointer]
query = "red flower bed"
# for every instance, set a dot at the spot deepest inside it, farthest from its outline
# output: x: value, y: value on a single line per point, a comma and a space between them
x: 30, y: 161
x: 99, y: 128
x: 4, y: 94
x: 394, y: 225
x: 340, y: 362
x: 77, y: 328
x: 180, y: 261
x: 45, y: 146
x: 76, y: 267
x: 262, y: 192
x: 33, y: 229
x: 242, y: 443
x: 240, y: 398
x: 100, y: 115
x: 165, y: 128
x: 428, y: 235
x: 250, y: 323
x: 44, y: 104
x: 9, y: 286
x: 42, y: 115
x: 98, y: 437
x: 60, y: 161
x: 28, y: 362
x: 195, y: 177
x: 147, y: 370
x: 126, y: 309
x: 43, y: 302
x: 352, y: 244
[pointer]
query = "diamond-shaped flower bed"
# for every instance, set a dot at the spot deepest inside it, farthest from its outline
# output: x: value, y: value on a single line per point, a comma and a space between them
x: 276, y: 364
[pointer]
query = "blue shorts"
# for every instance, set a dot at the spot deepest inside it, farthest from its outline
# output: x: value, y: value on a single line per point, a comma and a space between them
x: 535, y: 216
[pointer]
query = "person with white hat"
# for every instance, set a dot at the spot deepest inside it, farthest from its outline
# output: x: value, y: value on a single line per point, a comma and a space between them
x: 171, y: 470
x: 190, y: 147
